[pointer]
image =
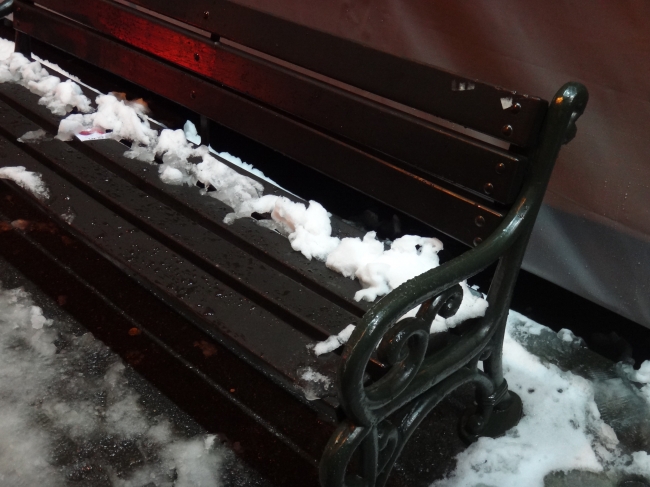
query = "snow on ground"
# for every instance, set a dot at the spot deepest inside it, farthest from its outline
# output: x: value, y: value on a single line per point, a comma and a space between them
x: 562, y: 428
x: 68, y: 414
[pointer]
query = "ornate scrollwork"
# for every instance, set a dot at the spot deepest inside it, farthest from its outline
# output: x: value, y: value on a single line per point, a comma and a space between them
x: 378, y: 447
x: 412, y: 381
x: 400, y: 345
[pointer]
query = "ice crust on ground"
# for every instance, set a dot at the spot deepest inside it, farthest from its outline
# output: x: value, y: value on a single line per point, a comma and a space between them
x: 67, y: 413
x: 562, y: 428
x: 28, y: 180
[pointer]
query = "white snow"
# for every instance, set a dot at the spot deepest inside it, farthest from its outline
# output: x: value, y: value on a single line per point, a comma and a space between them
x: 561, y: 429
x: 33, y: 136
x: 28, y: 180
x: 125, y: 119
x: 63, y: 393
x: 380, y: 270
x: 334, y: 341
x: 642, y: 375
x: 248, y: 168
x: 191, y: 134
x: 59, y: 97
x: 314, y: 384
x: 308, y: 228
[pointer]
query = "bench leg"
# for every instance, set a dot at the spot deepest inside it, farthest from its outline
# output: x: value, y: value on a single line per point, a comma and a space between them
x: 497, y: 413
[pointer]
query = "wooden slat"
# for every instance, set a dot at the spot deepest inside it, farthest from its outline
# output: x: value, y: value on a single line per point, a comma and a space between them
x: 293, y: 302
x: 431, y: 203
x: 268, y: 247
x: 236, y: 321
x: 409, y: 82
x: 419, y: 145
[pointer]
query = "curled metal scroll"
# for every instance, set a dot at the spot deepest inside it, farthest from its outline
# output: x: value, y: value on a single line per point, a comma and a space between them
x: 378, y: 447
x: 401, y: 347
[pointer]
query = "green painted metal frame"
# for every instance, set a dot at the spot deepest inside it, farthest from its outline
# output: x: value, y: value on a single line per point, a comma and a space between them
x: 380, y: 416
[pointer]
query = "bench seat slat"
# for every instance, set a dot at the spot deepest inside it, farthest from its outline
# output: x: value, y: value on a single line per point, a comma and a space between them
x: 218, y: 309
x: 269, y: 247
x: 414, y: 84
x: 259, y: 283
x: 417, y: 144
x: 394, y: 186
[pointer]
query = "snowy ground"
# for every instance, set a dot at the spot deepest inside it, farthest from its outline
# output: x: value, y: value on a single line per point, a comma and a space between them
x: 70, y: 413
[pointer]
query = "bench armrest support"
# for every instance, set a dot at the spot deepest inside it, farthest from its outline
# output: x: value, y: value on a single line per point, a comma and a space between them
x: 402, y: 344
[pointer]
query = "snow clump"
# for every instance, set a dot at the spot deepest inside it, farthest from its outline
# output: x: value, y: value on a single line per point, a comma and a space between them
x: 68, y: 412
x: 59, y: 97
x: 28, y: 180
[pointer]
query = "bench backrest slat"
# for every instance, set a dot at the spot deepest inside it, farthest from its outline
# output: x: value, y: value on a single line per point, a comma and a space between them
x: 416, y: 144
x: 444, y: 178
x: 414, y: 84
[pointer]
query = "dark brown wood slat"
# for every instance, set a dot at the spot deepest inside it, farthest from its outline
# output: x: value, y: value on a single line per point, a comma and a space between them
x: 269, y: 247
x: 419, y: 144
x: 213, y: 306
x: 264, y: 286
x: 409, y: 82
x: 456, y: 215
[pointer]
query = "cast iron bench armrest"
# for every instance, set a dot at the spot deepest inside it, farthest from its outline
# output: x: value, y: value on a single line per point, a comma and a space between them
x: 402, y: 347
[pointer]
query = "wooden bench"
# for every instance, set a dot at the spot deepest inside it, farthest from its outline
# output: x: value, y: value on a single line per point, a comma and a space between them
x: 233, y: 304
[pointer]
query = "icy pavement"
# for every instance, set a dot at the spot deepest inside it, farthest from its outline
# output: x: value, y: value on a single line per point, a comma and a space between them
x: 72, y: 413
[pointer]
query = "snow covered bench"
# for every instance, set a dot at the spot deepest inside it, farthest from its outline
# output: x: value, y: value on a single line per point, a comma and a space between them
x: 242, y: 297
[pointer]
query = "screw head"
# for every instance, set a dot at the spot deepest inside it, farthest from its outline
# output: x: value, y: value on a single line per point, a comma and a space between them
x: 193, y: 94
x: 479, y: 220
x: 500, y: 168
x: 507, y: 130
x: 196, y: 56
x: 488, y: 188
x: 515, y: 108
x: 477, y: 241
x: 206, y: 14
